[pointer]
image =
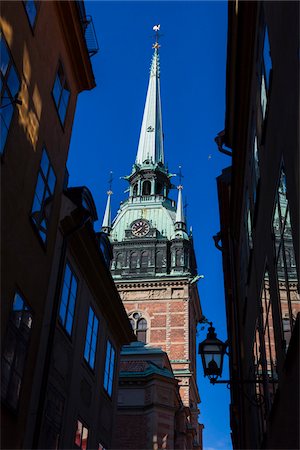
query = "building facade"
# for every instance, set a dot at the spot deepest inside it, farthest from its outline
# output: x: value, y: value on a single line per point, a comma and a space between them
x: 259, y: 215
x: 62, y: 320
x: 154, y: 264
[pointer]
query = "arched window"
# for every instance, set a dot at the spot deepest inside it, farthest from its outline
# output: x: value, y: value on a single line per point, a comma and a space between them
x: 159, y: 188
x: 119, y: 261
x: 159, y: 258
x: 141, y: 330
x: 178, y: 257
x: 139, y: 326
x: 144, y: 259
x: 135, y: 190
x: 133, y: 260
x: 146, y: 188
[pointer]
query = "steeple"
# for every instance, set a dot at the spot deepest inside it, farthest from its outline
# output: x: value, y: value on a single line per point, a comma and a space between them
x: 106, y: 224
x: 151, y: 137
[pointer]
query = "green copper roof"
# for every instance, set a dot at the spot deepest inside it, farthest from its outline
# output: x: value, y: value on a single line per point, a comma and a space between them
x: 161, y: 215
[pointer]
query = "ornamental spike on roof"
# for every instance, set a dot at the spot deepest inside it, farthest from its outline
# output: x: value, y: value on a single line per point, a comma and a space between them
x: 179, y: 211
x: 106, y: 224
x: 151, y: 137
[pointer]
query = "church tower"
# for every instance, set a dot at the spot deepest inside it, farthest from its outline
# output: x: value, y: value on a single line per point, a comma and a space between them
x: 154, y: 264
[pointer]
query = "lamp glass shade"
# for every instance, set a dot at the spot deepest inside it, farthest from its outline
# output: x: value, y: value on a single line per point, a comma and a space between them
x: 212, y: 353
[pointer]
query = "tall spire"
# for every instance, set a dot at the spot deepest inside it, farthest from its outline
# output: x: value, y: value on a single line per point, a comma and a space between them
x: 151, y: 137
x: 106, y: 224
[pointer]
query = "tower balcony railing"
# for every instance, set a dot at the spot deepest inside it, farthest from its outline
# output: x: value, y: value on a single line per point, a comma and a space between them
x: 155, y: 198
x: 88, y: 29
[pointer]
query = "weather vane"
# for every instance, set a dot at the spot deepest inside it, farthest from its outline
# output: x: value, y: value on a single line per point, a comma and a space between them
x: 156, y: 28
x: 110, y: 180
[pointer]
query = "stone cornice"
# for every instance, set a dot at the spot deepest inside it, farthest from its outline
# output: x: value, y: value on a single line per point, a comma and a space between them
x: 128, y: 284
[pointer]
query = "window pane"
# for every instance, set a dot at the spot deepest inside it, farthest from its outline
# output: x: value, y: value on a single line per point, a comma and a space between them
x: 4, y: 56
x: 57, y: 90
x: 92, y: 359
x: 263, y: 96
x: 67, y: 302
x: 66, y: 96
x: 62, y: 311
x: 31, y: 11
x: 62, y: 112
x: 74, y: 286
x: 67, y: 278
x: 40, y: 189
x: 69, y: 323
x: 13, y: 81
x: 51, y: 181
x: 78, y: 433
x: 84, y: 438
x: 71, y: 304
x: 18, y: 304
x: 45, y: 163
x: 267, y: 57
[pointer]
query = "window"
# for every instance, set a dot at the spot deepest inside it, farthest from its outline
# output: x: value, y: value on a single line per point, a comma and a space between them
x: 53, y: 418
x: 287, y: 279
x: 31, y: 8
x: 133, y: 260
x: 61, y: 93
x: 146, y: 188
x: 141, y: 330
x: 248, y: 220
x: 135, y: 190
x: 119, y: 261
x: 10, y: 85
x: 159, y: 258
x: 144, y: 259
x: 264, y: 354
x: 81, y: 435
x: 109, y: 368
x: 43, y: 196
x: 68, y: 299
x: 178, y: 258
x: 265, y: 74
x: 139, y: 326
x: 91, y: 339
x: 267, y: 58
x: 255, y: 169
x: 159, y: 188
x: 268, y: 333
x: 15, y: 351
x: 259, y: 387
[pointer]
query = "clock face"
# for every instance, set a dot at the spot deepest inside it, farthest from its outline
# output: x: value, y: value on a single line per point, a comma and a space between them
x: 140, y: 228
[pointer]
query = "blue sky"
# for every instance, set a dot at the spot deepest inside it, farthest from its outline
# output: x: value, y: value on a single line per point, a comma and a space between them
x: 107, y: 125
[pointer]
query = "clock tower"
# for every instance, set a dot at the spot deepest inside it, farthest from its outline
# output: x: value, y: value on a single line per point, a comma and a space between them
x: 154, y: 265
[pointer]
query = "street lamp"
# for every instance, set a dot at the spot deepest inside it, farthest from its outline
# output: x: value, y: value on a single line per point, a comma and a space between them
x: 212, y: 352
